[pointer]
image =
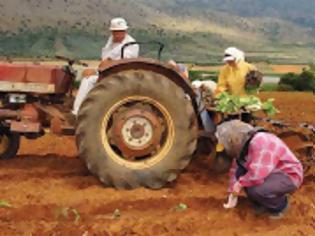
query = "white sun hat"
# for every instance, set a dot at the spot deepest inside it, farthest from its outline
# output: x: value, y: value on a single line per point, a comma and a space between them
x: 118, y: 24
x: 233, y: 54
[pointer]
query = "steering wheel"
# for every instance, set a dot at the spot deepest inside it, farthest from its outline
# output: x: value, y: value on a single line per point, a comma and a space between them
x: 71, y: 61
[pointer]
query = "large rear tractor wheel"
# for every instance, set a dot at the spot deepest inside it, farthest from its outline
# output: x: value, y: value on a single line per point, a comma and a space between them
x: 136, y: 128
x: 9, y: 144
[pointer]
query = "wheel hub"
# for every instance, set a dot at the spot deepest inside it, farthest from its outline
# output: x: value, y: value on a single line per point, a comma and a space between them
x: 136, y: 131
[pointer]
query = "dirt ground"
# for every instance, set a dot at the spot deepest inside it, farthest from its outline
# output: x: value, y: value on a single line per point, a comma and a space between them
x: 52, y: 193
x: 282, y: 69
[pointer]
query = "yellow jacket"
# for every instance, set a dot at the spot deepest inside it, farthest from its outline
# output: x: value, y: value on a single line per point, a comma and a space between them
x: 232, y: 79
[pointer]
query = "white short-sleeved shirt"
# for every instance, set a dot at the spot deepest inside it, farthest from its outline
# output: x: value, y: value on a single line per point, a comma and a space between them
x: 113, y: 50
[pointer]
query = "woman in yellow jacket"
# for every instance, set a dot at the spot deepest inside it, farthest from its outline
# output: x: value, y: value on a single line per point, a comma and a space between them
x: 232, y: 77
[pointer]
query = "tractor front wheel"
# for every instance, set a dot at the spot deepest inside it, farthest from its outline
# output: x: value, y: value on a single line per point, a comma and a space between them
x: 9, y: 144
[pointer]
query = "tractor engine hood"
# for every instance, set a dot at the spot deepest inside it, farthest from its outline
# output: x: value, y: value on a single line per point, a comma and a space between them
x: 40, y: 79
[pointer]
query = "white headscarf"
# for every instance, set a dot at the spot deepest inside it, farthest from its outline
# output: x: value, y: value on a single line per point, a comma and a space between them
x: 233, y: 54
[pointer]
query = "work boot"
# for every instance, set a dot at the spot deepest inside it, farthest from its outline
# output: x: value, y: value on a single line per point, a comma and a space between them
x: 259, y: 209
x: 279, y: 215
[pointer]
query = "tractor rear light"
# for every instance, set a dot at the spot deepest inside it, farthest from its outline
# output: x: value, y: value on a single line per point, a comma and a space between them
x: 17, y: 98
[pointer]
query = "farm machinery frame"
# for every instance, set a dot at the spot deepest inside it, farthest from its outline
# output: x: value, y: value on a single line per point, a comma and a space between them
x: 139, y: 126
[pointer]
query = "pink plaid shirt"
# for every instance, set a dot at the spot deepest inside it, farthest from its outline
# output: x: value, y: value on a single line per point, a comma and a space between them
x: 267, y: 154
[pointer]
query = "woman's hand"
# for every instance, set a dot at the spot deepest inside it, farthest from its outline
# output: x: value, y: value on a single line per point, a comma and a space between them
x: 232, y: 201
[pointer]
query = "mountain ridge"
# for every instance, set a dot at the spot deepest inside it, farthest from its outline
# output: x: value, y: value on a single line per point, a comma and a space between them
x: 202, y: 27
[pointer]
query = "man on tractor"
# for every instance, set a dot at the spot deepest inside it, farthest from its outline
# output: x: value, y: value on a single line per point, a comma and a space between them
x: 112, y: 51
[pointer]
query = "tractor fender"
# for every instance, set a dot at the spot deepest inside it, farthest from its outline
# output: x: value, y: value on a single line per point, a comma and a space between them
x: 146, y: 64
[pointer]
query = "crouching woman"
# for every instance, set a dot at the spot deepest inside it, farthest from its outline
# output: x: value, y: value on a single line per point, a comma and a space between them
x: 263, y: 166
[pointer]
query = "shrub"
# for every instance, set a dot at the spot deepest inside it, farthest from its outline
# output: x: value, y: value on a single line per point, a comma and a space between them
x: 288, y: 79
x: 306, y: 82
x: 300, y: 82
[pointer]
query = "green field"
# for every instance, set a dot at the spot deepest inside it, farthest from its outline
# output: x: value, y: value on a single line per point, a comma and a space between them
x: 193, y: 48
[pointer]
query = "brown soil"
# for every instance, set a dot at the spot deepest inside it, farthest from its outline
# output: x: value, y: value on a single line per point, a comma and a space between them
x: 294, y: 107
x: 282, y: 69
x: 48, y: 186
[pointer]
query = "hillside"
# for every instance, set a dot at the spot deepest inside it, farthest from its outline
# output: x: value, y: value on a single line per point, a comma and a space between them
x: 193, y: 30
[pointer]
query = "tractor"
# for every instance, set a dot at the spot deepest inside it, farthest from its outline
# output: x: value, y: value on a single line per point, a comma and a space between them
x: 138, y: 127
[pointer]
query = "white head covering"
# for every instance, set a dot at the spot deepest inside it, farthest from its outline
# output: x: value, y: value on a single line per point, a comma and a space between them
x: 118, y: 24
x: 233, y: 54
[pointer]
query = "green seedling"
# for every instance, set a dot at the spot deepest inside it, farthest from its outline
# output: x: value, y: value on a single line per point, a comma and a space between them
x: 180, y: 207
x: 113, y: 216
x: 116, y: 214
x: 6, y: 204
x: 233, y: 104
x: 77, y: 216
x: 66, y: 212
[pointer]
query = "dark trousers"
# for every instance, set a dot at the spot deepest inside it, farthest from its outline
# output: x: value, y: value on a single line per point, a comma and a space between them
x: 272, y: 193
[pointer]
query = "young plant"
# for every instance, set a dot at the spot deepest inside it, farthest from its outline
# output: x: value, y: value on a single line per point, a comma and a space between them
x: 5, y: 204
x: 234, y: 104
